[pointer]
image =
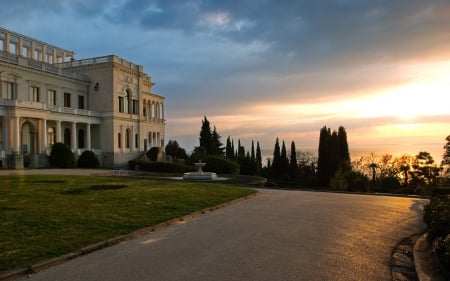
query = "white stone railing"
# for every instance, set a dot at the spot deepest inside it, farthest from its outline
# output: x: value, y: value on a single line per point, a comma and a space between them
x: 43, y: 106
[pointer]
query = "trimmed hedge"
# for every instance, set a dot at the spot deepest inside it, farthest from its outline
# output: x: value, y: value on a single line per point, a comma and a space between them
x: 88, y: 159
x: 436, y: 215
x: 61, y: 156
x: 161, y: 167
x: 221, y: 165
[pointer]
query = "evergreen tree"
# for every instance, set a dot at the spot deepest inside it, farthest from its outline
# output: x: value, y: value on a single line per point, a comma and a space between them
x: 229, y: 153
x: 276, y: 161
x: 284, y: 161
x: 241, y: 151
x: 206, y: 135
x: 216, y: 145
x: 344, y: 155
x: 258, y: 157
x: 253, y: 157
x: 333, y: 154
x: 234, y: 154
x: 293, y: 166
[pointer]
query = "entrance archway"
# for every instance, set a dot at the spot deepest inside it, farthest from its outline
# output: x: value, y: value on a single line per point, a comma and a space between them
x: 28, y: 139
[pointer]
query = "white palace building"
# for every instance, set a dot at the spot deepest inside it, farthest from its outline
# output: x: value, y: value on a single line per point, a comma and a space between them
x: 104, y: 104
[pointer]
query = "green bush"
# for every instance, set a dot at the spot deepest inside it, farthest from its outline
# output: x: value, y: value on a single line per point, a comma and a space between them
x: 222, y: 165
x: 441, y: 248
x: 61, y: 156
x: 350, y: 181
x: 152, y: 153
x: 88, y: 159
x: 436, y: 215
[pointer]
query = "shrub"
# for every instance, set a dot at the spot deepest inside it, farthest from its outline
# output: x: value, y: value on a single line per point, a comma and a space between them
x: 350, y: 181
x: 61, y: 156
x: 222, y: 165
x: 390, y: 184
x: 152, y: 153
x: 436, y: 215
x: 88, y: 159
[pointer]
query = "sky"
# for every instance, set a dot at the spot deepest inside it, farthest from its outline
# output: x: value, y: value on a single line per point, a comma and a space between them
x: 262, y: 69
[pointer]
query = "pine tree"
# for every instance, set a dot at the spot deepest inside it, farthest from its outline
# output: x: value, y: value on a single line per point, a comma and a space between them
x: 293, y: 166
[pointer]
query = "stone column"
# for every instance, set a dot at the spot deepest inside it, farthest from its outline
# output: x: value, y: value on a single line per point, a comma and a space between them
x: 88, y: 136
x: 16, y: 137
x: 44, y: 136
x: 31, y: 50
x: 54, y: 59
x: 19, y: 47
x: 58, y: 131
x: 44, y: 53
x: 7, y: 40
x: 74, y: 137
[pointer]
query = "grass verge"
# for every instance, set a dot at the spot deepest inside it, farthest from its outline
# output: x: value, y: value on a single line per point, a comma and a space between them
x: 42, y: 216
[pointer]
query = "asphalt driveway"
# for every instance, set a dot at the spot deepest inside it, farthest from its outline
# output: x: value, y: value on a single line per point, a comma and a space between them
x: 278, y: 235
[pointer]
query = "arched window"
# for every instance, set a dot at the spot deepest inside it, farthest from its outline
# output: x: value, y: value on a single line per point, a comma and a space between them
x: 127, y: 138
x: 50, y: 136
x: 80, y: 138
x: 119, y: 140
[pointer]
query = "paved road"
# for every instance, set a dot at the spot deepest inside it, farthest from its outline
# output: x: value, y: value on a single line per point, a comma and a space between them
x: 278, y: 235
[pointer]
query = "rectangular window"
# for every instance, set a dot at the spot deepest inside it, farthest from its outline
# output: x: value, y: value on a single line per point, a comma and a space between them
x: 66, y: 99
x: 135, y: 107
x: 51, y: 97
x: 8, y: 90
x: 80, y: 102
x: 121, y: 104
x: 34, y: 93
x: 136, y: 141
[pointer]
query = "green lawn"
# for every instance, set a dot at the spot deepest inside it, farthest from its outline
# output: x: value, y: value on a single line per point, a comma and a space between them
x: 47, y: 216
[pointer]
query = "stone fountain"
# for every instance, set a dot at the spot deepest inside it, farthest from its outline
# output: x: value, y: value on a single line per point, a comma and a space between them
x: 200, y: 175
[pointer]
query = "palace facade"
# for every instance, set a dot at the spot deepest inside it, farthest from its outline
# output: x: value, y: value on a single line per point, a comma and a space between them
x: 103, y: 104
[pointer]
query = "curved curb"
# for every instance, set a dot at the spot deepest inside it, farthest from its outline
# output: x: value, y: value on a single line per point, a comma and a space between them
x: 425, y: 261
x: 12, y: 275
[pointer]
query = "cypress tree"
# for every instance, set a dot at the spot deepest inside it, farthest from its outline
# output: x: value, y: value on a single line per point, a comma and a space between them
x: 253, y: 157
x: 276, y: 161
x: 323, y: 168
x: 258, y: 158
x: 284, y: 160
x: 228, y: 149
x: 293, y: 166
x: 216, y: 145
x: 344, y: 155
x: 205, y: 135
